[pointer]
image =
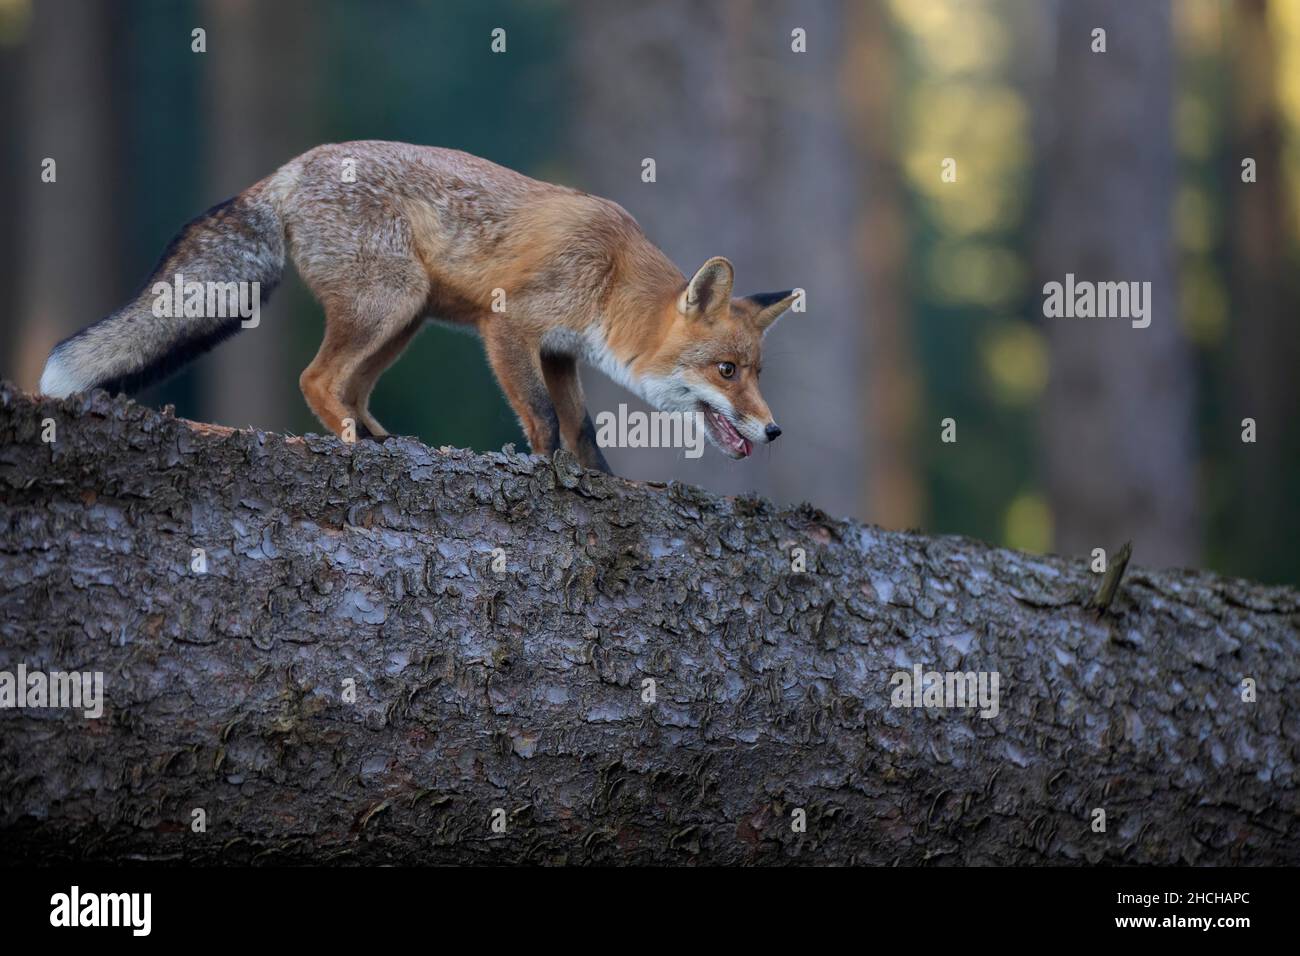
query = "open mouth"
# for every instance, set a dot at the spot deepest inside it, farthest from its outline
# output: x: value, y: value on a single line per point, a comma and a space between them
x: 725, y: 435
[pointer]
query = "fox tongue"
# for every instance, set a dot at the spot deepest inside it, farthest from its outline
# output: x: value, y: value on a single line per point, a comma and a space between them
x: 730, y: 437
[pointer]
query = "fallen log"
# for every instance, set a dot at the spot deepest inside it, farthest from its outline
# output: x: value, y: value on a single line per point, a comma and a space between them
x: 320, y: 652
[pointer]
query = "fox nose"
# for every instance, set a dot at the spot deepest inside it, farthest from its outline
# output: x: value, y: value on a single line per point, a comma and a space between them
x: 772, y: 431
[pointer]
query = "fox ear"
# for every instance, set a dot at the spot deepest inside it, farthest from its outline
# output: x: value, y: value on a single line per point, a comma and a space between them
x: 771, y: 306
x: 709, y: 288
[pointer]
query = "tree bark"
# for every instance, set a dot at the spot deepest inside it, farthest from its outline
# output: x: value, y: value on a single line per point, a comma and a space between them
x: 525, y: 690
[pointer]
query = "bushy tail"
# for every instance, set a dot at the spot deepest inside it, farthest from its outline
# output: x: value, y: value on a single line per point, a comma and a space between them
x: 238, y: 241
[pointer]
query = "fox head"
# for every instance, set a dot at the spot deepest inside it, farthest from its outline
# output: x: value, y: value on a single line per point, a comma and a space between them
x: 711, y: 358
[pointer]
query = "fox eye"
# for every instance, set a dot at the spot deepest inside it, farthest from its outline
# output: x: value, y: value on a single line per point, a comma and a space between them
x: 726, y: 369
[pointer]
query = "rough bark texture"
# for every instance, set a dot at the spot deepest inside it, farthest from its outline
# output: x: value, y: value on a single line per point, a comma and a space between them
x: 523, y: 690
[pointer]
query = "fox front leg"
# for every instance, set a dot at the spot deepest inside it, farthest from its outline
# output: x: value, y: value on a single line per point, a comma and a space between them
x: 576, y: 430
x: 518, y: 369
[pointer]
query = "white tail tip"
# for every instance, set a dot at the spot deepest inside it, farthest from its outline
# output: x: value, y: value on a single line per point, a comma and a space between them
x: 56, y: 380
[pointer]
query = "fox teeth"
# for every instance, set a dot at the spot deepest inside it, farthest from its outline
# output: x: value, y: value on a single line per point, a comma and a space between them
x: 728, y: 435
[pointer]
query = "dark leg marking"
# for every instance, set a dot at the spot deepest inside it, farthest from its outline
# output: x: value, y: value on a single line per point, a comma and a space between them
x: 548, y: 421
x: 589, y: 452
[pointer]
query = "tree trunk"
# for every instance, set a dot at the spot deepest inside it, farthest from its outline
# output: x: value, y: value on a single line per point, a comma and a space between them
x: 1263, y: 346
x: 1117, y: 420
x: 892, y: 492
x: 260, y: 91
x: 526, y: 690
x: 67, y: 255
x: 753, y: 161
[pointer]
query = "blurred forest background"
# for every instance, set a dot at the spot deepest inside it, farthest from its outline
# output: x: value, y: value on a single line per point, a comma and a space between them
x: 819, y: 169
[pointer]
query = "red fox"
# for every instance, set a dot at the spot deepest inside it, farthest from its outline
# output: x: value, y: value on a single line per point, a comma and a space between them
x: 388, y: 234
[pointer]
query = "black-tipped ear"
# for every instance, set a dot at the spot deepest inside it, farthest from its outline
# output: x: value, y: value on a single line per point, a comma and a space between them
x: 709, y: 288
x: 771, y: 306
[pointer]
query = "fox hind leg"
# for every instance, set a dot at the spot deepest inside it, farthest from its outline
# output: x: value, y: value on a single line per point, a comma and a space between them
x: 363, y: 379
x: 361, y: 340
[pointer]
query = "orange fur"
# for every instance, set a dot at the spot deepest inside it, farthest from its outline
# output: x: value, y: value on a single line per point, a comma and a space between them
x: 387, y: 235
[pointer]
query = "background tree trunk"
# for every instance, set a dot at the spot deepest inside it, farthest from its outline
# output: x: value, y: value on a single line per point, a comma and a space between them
x: 892, y: 492
x: 525, y: 690
x: 1265, y: 347
x: 260, y: 88
x: 67, y: 247
x: 754, y: 161
x: 1108, y: 189
x: 14, y: 163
